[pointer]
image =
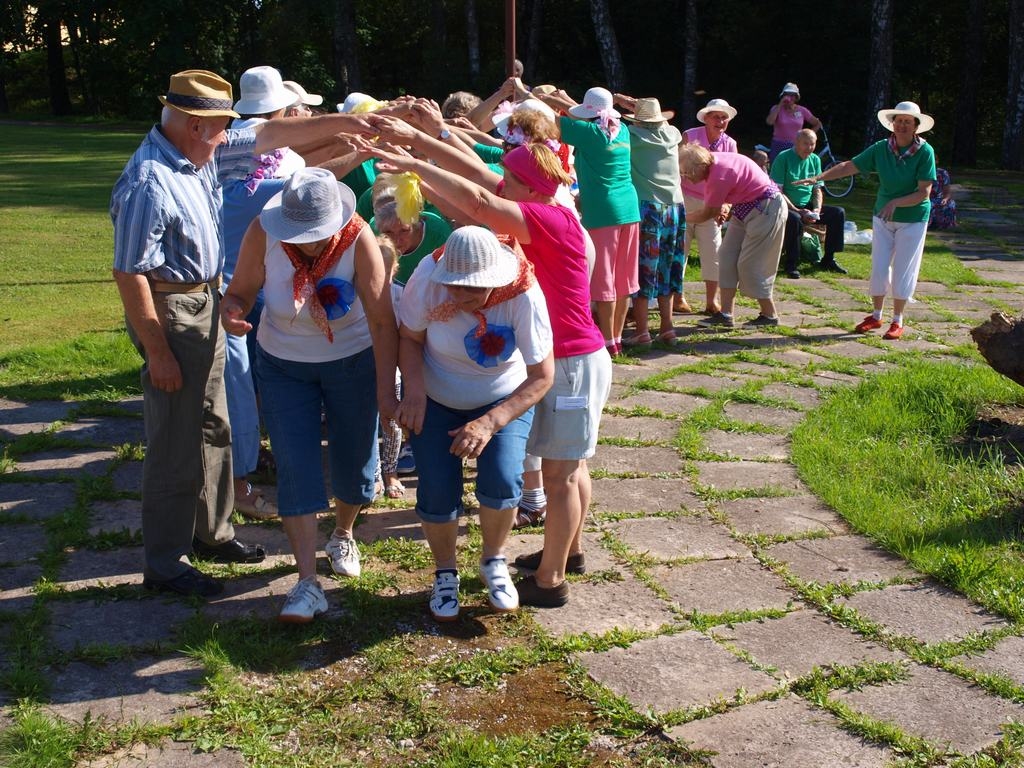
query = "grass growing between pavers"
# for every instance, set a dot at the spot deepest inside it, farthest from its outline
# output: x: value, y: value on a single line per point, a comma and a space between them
x: 893, y: 456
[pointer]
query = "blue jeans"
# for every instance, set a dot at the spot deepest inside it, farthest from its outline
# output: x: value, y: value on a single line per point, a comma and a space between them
x: 499, y: 469
x: 293, y: 394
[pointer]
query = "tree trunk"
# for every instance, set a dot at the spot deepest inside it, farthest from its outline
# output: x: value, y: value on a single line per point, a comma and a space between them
x: 346, y: 56
x: 880, y: 68
x: 60, y: 100
x: 1000, y: 340
x: 533, y: 40
x: 965, y: 131
x: 1013, y: 132
x: 473, y: 43
x: 691, y: 44
x: 436, y: 48
x: 611, y: 58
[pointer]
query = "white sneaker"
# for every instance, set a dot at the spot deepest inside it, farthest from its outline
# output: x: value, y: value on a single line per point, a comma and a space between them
x: 444, y: 597
x: 500, y: 589
x: 344, y: 555
x: 305, y: 601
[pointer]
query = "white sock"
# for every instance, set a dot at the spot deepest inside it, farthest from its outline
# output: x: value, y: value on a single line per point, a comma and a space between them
x: 877, y: 314
x: 898, y: 319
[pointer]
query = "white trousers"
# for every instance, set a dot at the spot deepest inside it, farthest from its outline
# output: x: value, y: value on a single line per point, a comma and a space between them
x: 896, y: 252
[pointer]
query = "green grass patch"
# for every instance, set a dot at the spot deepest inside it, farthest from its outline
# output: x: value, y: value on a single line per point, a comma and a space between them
x: 888, y: 457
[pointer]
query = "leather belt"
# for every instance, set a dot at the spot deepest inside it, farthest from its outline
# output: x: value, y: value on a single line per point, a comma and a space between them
x: 161, y: 286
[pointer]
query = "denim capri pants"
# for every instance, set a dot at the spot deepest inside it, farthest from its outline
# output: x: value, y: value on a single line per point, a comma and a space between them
x: 499, y: 469
x: 293, y: 394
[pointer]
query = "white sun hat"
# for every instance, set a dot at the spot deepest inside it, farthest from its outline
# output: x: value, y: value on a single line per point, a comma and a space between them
x: 261, y: 91
x: 716, y: 105
x: 926, y: 122
x: 474, y: 257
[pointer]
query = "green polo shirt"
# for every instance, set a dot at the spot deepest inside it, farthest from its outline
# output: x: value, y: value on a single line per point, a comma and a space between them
x: 787, y: 168
x: 897, y: 177
x: 607, y: 195
x: 435, y: 233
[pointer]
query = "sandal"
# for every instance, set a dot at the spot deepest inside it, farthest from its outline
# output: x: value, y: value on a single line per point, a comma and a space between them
x: 638, y: 341
x: 527, y: 517
x: 394, y: 490
x: 255, y: 506
x: 668, y: 337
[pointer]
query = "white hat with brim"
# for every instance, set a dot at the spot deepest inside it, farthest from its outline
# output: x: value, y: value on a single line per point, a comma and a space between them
x: 886, y: 116
x: 473, y: 257
x: 790, y: 88
x: 716, y: 105
x: 261, y: 91
x: 595, y: 101
x: 501, y: 123
x: 312, y: 205
x: 309, y: 99
x: 354, y: 100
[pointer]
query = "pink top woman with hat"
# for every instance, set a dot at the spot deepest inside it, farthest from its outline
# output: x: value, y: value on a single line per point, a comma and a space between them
x: 787, y: 117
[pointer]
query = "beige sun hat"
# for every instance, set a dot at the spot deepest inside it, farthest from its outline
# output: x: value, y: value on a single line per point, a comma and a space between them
x: 309, y: 99
x: 648, y: 111
x: 474, y: 257
x: 199, y: 92
x: 716, y: 105
x: 925, y: 122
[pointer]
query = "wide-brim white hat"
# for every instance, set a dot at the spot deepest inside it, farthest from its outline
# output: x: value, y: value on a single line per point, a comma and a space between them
x: 885, y: 116
x: 261, y: 91
x: 309, y: 99
x: 312, y: 205
x: 790, y: 88
x: 595, y: 101
x: 717, y: 105
x: 475, y: 258
x: 501, y: 122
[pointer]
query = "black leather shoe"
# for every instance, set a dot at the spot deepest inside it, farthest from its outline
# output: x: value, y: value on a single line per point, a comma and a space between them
x: 232, y: 551
x: 191, y: 582
x: 831, y: 265
x: 573, y: 564
x: 793, y: 273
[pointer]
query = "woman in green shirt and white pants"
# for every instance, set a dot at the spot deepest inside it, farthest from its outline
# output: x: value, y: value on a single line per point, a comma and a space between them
x: 905, y: 164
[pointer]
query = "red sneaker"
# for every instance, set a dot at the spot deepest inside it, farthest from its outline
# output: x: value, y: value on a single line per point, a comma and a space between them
x: 894, y: 332
x: 869, y: 323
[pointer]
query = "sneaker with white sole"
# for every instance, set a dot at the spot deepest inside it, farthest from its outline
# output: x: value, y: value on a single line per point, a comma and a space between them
x: 500, y: 589
x: 444, y: 597
x: 344, y: 556
x: 305, y: 601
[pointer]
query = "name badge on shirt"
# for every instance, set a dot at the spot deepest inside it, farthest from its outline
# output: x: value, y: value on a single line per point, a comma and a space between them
x: 566, y: 403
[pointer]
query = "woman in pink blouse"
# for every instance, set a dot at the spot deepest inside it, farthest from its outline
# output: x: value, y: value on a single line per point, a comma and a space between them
x: 787, y: 118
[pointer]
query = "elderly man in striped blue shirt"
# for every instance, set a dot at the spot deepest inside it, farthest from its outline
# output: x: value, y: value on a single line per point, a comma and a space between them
x: 168, y: 256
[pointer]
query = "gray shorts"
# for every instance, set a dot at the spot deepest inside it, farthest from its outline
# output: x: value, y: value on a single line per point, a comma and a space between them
x: 566, y: 420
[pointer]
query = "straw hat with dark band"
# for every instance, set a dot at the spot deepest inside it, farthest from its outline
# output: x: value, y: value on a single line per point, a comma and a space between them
x: 201, y: 93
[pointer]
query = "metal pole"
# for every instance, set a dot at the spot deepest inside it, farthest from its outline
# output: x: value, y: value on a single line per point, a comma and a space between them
x: 510, y: 36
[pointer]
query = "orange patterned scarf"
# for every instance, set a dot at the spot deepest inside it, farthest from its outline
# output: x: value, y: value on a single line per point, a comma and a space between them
x: 446, y: 310
x: 307, y: 274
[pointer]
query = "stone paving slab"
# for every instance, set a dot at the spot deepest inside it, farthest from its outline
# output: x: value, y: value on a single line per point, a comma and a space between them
x: 928, y: 611
x: 939, y: 707
x: 597, y: 557
x: 643, y: 428
x: 786, y: 643
x: 145, y: 689
x: 782, y: 515
x: 628, y: 373
x: 835, y: 379
x: 17, y: 589
x: 752, y: 413
x: 105, y: 430
x: 673, y: 538
x: 668, y: 403
x: 94, y: 568
x: 723, y: 586
x: 644, y: 495
x: 21, y: 543
x: 746, y: 445
x: 673, y: 672
x: 649, y: 460
x: 1006, y: 659
x: 17, y: 418
x: 841, y: 559
x: 38, y: 501
x: 788, y: 732
x: 704, y: 381
x: 79, y: 624
x: 66, y: 462
x: 602, y: 607
x: 756, y: 369
x: 261, y: 596
x: 797, y: 357
x: 805, y: 397
x: 736, y: 475
x: 169, y: 754
x: 116, y: 516
x: 127, y: 477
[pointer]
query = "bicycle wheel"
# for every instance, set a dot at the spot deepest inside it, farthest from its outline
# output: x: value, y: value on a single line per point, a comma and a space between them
x: 839, y: 187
